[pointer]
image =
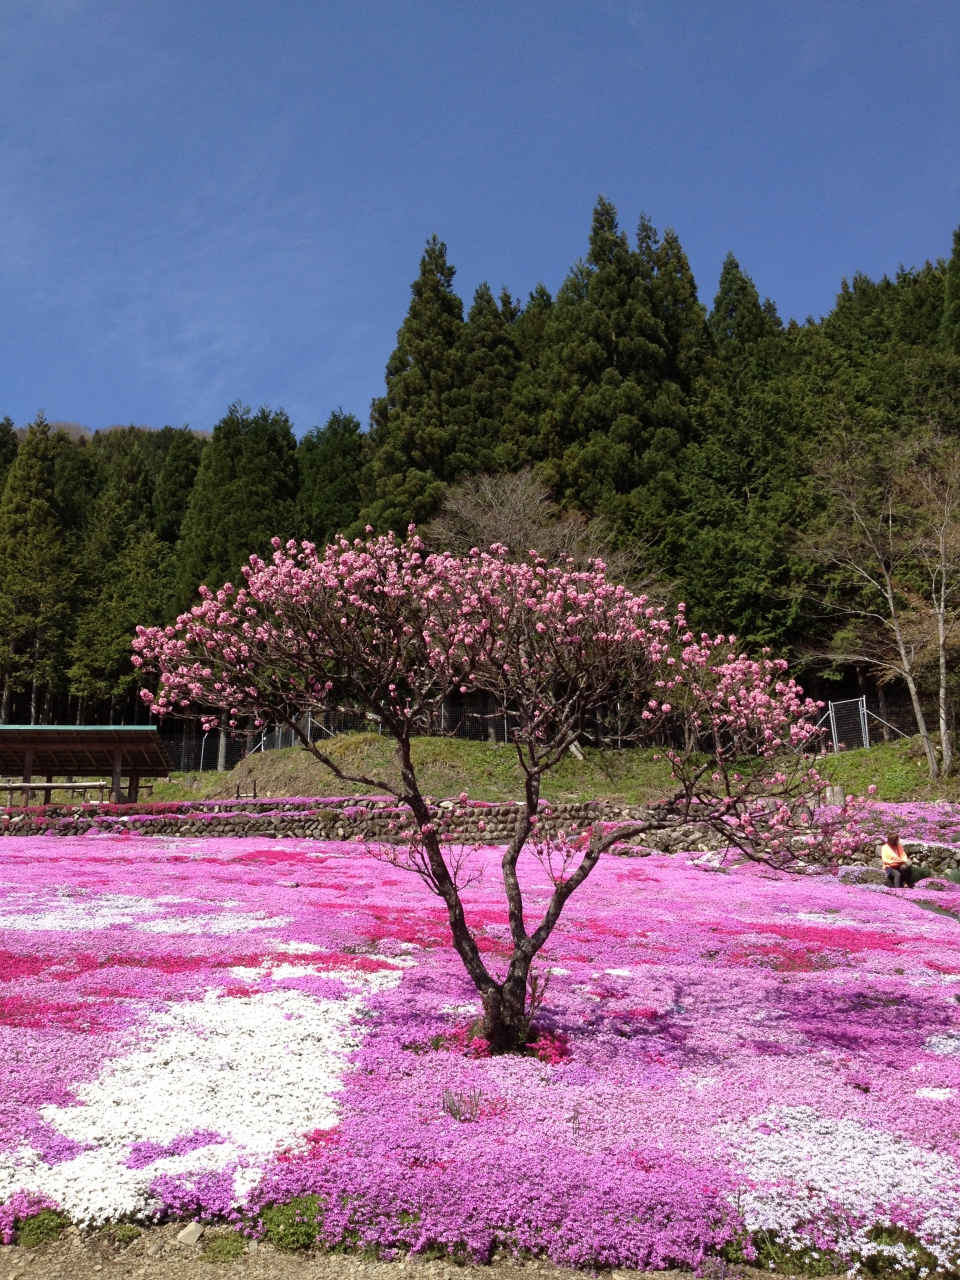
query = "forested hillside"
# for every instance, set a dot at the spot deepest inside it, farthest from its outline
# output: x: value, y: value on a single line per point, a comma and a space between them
x: 738, y: 459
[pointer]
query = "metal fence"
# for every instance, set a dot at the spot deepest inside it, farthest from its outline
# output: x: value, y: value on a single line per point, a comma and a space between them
x: 848, y: 724
x: 852, y: 724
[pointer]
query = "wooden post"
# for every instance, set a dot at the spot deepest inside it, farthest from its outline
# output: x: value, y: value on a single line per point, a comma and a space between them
x: 115, y: 792
x: 27, y: 773
x: 133, y: 789
x: 46, y: 792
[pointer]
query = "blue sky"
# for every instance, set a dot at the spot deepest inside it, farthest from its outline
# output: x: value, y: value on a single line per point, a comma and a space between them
x: 208, y: 201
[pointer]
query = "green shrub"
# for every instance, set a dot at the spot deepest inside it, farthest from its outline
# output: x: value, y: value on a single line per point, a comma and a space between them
x: 124, y: 1233
x: 41, y: 1227
x: 224, y: 1248
x: 294, y: 1225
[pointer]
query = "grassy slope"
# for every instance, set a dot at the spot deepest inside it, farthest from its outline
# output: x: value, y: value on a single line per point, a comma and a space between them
x: 446, y: 766
x: 898, y: 771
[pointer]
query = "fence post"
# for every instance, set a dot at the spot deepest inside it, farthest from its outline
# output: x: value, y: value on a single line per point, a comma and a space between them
x: 27, y: 773
x: 833, y: 727
x: 864, y: 725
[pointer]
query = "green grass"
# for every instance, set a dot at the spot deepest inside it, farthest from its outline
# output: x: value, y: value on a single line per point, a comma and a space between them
x: 898, y: 771
x: 445, y: 766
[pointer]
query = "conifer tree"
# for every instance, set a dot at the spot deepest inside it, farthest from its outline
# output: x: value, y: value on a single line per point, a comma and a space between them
x: 672, y: 290
x: 244, y: 495
x: 487, y: 359
x: 950, y: 324
x: 738, y: 319
x: 36, y: 574
x: 78, y: 478
x: 414, y: 442
x: 601, y: 353
x: 8, y: 447
x: 125, y: 575
x: 529, y: 325
x: 606, y: 411
x: 330, y: 458
x: 178, y: 473
x: 120, y: 512
x: 133, y: 587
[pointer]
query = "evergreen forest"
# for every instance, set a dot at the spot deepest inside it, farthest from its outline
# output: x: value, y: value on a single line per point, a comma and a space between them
x: 792, y: 483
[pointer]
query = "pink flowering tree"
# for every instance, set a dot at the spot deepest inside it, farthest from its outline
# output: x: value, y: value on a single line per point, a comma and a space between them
x: 384, y: 628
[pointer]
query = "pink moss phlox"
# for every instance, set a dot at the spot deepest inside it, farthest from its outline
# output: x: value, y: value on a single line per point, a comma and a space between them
x: 693, y: 1007
x: 21, y: 1205
x: 142, y: 1154
x: 550, y: 1047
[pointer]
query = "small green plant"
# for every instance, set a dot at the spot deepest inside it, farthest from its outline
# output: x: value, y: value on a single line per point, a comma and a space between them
x: 41, y: 1227
x: 124, y: 1233
x: 537, y: 994
x: 773, y: 1255
x: 224, y: 1248
x: 462, y: 1106
x: 891, y: 1242
x: 294, y: 1225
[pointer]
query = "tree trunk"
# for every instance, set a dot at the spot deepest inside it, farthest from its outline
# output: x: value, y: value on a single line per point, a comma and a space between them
x: 928, y: 747
x: 907, y: 668
x: 222, y: 750
x: 5, y: 703
x: 946, y: 746
x: 505, y: 1020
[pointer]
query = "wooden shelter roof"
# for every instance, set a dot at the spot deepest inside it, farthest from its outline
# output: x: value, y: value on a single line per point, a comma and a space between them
x: 83, y: 750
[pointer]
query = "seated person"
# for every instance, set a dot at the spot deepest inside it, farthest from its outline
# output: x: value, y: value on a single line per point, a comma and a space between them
x: 896, y: 863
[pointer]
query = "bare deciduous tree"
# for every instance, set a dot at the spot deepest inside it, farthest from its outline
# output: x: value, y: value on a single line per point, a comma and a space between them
x: 516, y: 510
x: 934, y: 485
x: 891, y: 536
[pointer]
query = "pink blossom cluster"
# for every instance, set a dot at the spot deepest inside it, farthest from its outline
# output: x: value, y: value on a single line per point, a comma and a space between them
x: 383, y: 626
x: 716, y: 1052
x: 404, y: 627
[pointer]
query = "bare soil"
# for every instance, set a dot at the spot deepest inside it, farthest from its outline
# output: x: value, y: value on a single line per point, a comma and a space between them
x: 156, y: 1255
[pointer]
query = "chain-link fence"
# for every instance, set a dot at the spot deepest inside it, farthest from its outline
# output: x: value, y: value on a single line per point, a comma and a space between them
x: 848, y: 724
x: 852, y: 724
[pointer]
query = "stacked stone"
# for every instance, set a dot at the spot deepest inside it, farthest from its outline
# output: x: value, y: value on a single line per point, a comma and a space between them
x: 362, y: 817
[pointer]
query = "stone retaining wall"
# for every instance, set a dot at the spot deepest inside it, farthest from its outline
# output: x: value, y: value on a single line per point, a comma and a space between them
x: 937, y: 858
x: 381, y: 819
x: 370, y: 818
